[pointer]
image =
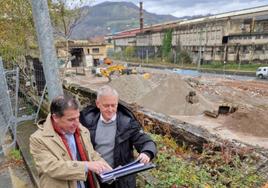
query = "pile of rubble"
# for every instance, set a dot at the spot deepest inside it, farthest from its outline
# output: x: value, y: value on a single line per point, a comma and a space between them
x: 164, y: 93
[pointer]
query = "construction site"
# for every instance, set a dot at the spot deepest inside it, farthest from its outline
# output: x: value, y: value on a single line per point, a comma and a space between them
x: 210, y: 128
x: 194, y: 109
x: 231, y: 108
x: 226, y: 110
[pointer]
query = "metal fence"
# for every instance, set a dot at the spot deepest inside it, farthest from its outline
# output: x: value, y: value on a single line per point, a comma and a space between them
x: 14, y: 107
x: 8, y: 99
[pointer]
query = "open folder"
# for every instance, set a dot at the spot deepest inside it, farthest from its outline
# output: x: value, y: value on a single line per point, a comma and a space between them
x: 131, y: 168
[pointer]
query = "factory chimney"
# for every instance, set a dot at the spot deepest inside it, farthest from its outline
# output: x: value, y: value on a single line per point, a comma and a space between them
x: 141, y: 17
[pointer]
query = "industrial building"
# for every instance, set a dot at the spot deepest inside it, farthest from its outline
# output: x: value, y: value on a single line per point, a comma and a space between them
x: 237, y: 36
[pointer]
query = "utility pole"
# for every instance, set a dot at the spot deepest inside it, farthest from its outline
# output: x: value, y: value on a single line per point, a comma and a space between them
x: 175, y: 57
x: 142, y: 54
x: 47, y: 48
x: 147, y: 56
x: 141, y: 27
x: 200, y: 46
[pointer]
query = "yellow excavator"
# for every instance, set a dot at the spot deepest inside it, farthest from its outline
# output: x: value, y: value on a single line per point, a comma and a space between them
x: 119, y: 69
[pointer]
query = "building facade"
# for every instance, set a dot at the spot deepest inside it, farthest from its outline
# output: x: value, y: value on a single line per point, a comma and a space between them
x: 82, y: 52
x: 238, y: 36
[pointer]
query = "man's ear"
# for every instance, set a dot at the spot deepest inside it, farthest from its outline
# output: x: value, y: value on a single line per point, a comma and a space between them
x: 97, y: 103
x: 55, y: 117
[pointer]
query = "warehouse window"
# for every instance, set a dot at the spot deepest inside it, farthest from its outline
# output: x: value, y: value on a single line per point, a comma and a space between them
x: 95, y: 50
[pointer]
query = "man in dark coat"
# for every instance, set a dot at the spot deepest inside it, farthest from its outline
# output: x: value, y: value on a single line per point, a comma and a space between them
x: 115, y: 132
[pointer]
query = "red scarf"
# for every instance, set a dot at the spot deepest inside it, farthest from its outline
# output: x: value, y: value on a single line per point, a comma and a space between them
x: 80, y: 150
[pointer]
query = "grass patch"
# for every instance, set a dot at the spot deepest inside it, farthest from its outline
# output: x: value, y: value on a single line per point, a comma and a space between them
x: 231, y: 66
x: 215, y: 65
x: 179, y: 167
x: 14, y: 154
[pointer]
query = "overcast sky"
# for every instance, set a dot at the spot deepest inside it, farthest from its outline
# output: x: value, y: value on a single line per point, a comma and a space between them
x: 193, y: 7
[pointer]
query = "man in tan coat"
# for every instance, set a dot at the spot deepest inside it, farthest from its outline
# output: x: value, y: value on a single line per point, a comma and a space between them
x: 62, y: 151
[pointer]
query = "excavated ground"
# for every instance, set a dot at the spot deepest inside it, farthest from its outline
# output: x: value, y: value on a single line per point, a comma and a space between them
x: 165, y: 92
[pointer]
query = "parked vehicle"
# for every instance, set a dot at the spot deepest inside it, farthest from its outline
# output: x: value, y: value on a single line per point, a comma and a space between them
x: 262, y: 72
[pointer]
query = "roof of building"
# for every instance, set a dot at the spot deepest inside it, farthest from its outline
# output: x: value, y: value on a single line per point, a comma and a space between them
x: 78, y: 43
x: 173, y: 24
x: 127, y: 33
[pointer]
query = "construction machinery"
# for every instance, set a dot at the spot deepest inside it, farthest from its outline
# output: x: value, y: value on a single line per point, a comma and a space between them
x: 118, y: 69
x: 107, y: 61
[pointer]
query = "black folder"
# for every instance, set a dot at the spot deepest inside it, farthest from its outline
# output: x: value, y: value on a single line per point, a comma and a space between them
x: 131, y: 168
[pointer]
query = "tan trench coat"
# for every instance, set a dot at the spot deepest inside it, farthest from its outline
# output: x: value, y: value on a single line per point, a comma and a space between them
x: 53, y: 163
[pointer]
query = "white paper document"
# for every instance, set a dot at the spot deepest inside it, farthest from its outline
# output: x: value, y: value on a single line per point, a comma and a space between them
x: 131, y: 168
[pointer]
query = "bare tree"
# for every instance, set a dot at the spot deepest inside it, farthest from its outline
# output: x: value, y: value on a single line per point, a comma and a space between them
x: 66, y: 15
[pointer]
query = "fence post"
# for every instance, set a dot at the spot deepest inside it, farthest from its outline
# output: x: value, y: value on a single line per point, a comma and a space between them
x: 46, y: 47
x: 5, y: 102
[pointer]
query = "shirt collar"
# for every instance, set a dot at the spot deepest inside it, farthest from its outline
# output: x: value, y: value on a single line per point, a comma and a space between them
x: 109, y: 121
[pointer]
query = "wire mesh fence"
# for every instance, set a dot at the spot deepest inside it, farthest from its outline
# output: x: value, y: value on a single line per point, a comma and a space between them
x: 15, y: 105
x: 8, y: 101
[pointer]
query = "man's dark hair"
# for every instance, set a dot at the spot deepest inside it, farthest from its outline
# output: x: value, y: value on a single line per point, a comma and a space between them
x: 62, y: 103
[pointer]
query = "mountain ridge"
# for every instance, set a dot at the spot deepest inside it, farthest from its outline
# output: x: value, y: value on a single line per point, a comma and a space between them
x: 111, y: 17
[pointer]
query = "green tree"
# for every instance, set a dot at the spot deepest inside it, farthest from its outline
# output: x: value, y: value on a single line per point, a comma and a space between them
x: 184, y: 57
x: 16, y: 29
x: 129, y: 52
x: 167, y: 44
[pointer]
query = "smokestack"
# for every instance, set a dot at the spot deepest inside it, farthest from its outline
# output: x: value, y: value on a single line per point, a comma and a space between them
x: 141, y: 17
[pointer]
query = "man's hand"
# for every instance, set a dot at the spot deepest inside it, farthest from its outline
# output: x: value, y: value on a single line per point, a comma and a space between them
x: 98, y: 166
x: 144, y: 158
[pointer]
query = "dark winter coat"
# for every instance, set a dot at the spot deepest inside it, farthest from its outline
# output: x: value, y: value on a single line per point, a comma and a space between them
x: 128, y: 135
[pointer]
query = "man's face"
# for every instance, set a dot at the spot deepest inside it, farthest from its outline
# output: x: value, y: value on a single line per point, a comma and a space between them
x: 107, y: 106
x: 69, y: 121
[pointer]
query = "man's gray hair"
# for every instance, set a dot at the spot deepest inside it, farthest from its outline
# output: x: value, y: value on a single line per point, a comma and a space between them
x: 106, y: 91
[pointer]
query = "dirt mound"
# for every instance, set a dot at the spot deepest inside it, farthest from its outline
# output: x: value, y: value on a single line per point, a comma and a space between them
x: 169, y: 97
x: 161, y: 93
x: 133, y: 87
x: 250, y: 122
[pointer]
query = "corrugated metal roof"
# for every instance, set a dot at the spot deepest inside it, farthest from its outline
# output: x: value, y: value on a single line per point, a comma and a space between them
x: 172, y: 24
x: 228, y: 14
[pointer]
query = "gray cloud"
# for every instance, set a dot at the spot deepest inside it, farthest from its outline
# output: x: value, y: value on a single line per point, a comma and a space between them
x: 193, y: 7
